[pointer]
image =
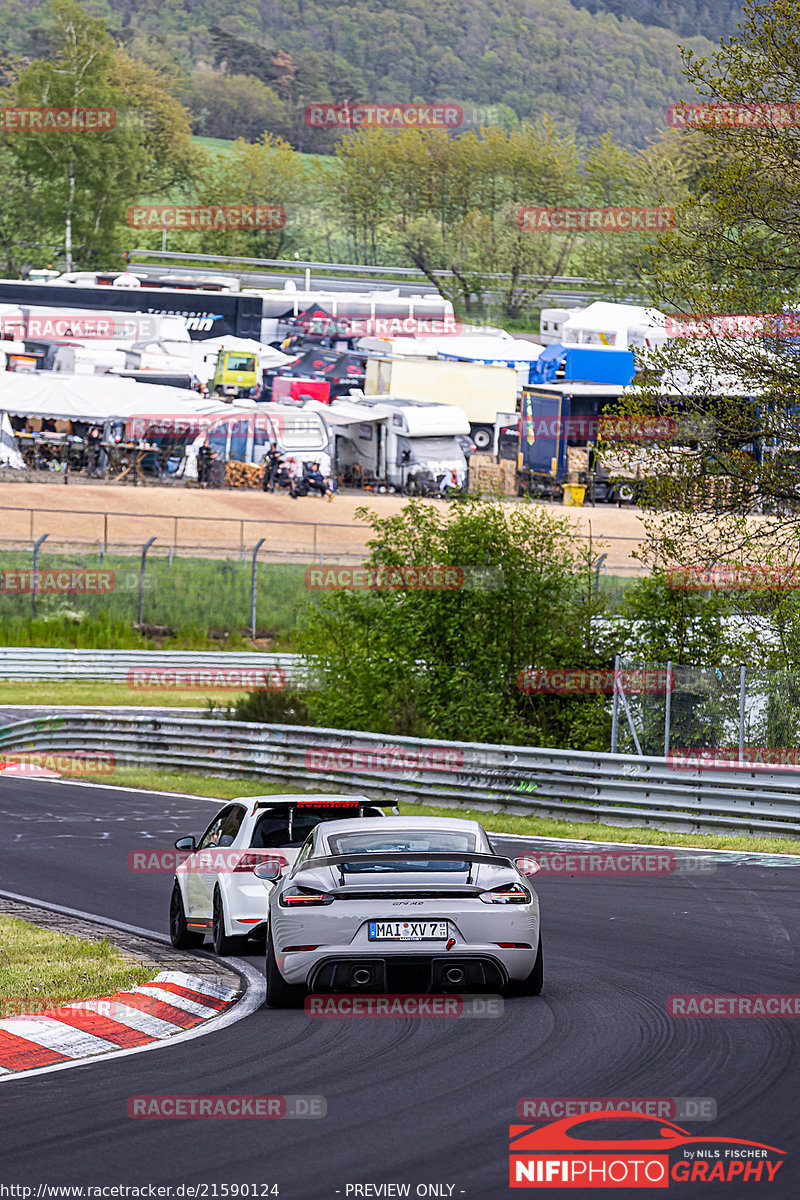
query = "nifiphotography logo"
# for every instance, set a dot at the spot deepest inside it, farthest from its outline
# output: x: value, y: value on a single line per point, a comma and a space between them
x: 564, y: 1154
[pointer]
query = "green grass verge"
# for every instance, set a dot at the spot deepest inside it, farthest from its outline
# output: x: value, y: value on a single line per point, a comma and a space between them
x: 40, y: 968
x: 224, y: 789
x: 96, y: 693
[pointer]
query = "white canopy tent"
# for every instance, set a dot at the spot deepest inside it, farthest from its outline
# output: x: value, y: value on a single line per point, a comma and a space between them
x: 100, y: 398
x: 617, y: 325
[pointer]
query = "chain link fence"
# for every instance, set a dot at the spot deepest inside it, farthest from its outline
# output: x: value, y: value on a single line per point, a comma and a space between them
x: 157, y: 590
x: 663, y: 709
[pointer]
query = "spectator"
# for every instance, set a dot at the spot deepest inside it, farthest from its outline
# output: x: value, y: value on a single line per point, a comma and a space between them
x: 318, y: 483
x: 204, y: 456
x: 94, y: 439
x: 272, y: 462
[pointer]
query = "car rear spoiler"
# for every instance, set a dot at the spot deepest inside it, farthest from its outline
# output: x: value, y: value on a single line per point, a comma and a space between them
x: 390, y: 856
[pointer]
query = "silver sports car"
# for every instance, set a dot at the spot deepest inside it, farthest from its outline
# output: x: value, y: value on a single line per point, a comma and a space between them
x: 402, y: 904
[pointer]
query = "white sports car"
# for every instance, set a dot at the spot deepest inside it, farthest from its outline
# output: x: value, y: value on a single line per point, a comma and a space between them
x: 216, y: 890
x: 404, y: 904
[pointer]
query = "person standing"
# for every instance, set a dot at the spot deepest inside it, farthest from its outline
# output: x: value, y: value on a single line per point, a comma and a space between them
x: 204, y: 457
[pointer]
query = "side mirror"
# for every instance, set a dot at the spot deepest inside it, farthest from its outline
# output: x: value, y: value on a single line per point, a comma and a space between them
x: 185, y: 843
x: 527, y: 865
x: 270, y: 869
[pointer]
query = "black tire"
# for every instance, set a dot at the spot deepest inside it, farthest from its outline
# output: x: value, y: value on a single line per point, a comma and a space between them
x: 531, y: 986
x: 224, y: 944
x: 181, y: 937
x: 280, y: 994
x: 483, y: 437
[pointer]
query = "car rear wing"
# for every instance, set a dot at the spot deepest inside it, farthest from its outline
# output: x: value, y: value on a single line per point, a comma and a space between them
x: 398, y: 856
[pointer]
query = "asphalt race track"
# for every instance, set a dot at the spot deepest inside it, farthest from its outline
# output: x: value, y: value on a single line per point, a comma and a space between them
x: 414, y: 1101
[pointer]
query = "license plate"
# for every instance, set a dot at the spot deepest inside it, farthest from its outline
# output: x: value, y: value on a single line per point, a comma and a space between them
x: 407, y: 931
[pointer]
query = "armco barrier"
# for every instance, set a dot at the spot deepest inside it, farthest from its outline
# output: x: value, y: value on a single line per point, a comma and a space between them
x: 31, y: 662
x: 615, y: 789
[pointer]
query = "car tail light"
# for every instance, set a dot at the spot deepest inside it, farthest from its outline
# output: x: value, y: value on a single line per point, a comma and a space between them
x: 296, y: 949
x: 249, y: 861
x: 299, y: 897
x: 509, y: 893
x: 514, y: 945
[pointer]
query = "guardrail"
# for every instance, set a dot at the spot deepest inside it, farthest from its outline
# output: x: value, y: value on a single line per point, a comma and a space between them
x: 615, y: 789
x: 32, y: 662
x: 411, y: 273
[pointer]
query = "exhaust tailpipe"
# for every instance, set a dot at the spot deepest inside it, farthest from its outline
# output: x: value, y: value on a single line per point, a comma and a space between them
x: 362, y: 976
x: 454, y: 975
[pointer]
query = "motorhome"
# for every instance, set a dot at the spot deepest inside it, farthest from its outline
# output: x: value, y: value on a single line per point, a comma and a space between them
x: 405, y: 444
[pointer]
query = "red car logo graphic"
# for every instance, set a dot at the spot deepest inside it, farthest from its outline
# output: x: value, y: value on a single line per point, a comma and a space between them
x: 552, y: 1156
x: 556, y: 1136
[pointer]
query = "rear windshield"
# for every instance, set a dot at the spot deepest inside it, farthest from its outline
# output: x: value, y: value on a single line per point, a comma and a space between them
x: 273, y: 830
x: 397, y: 841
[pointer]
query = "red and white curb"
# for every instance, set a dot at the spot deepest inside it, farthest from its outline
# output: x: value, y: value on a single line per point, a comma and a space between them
x: 168, y: 1005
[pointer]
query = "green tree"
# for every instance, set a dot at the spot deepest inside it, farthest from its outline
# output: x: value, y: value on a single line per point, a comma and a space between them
x: 85, y: 179
x: 446, y: 663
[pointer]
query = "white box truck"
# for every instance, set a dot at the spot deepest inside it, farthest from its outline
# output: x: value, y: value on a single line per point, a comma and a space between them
x: 481, y: 392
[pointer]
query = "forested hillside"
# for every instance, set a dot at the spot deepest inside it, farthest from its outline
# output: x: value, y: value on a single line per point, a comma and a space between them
x: 254, y: 65
x: 710, y: 18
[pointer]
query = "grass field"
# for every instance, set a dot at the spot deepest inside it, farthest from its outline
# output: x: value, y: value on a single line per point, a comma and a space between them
x: 40, y: 968
x: 196, y: 597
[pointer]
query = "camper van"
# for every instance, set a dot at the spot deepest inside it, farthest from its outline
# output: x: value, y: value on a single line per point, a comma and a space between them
x: 405, y: 444
x: 243, y: 435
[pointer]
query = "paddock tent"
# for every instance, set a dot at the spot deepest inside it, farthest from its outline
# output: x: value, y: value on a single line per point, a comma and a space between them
x: 99, y: 398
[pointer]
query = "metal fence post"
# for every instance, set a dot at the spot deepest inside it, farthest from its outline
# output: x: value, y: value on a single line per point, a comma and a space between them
x: 254, y: 588
x: 145, y: 548
x: 35, y: 581
x: 615, y: 708
x: 668, y: 708
x: 600, y: 562
x: 742, y: 692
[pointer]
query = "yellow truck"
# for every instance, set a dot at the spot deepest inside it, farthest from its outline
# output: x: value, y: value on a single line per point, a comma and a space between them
x: 482, y: 392
x: 236, y: 373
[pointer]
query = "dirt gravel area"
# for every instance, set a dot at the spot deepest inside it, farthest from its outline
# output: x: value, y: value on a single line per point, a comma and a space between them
x: 213, y: 519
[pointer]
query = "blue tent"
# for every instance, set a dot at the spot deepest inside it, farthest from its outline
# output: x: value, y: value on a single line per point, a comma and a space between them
x: 588, y: 364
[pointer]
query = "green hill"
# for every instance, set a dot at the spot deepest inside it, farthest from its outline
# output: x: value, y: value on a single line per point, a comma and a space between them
x: 246, y: 67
